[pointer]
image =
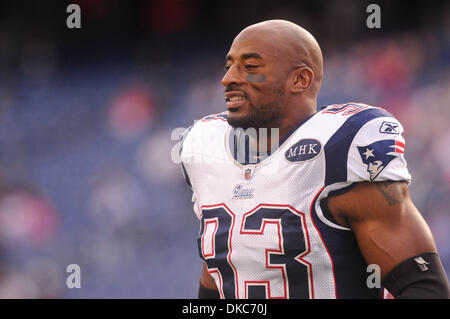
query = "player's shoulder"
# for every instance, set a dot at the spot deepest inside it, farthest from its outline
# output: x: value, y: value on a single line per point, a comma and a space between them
x: 215, y: 118
x: 207, y: 123
x: 210, y: 123
x: 353, y: 117
x: 366, y: 139
x: 356, y: 110
x: 205, y: 130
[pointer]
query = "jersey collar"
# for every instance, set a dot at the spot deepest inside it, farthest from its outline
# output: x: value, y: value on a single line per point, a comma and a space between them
x: 239, y: 145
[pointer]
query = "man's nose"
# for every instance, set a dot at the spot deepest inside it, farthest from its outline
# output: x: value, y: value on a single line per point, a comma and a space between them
x: 233, y: 76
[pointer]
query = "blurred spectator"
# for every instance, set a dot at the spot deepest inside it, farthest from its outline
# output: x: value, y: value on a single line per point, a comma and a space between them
x: 26, y: 218
x: 131, y: 113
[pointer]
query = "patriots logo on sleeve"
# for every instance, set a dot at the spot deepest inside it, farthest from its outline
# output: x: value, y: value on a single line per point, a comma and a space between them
x: 379, y: 154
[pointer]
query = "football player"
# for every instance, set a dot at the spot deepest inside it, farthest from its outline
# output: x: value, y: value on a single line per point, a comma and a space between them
x: 296, y: 202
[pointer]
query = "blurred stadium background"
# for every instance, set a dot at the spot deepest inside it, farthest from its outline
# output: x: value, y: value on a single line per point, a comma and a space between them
x: 86, y: 118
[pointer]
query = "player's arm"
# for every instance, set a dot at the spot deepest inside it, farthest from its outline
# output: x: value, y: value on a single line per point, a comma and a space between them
x: 208, y: 288
x: 392, y: 234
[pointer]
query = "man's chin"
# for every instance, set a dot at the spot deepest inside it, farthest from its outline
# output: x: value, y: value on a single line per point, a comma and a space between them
x: 238, y: 121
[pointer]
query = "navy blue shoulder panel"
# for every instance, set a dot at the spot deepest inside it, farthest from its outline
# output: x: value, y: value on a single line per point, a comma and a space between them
x: 337, y: 147
x: 349, y: 267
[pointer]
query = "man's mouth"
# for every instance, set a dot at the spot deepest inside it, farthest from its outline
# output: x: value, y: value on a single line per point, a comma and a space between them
x: 234, y: 100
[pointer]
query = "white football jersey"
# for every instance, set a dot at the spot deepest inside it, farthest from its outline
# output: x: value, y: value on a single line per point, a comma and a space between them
x: 265, y: 229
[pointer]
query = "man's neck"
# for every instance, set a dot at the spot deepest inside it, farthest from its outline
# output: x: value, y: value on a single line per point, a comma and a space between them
x: 274, y: 137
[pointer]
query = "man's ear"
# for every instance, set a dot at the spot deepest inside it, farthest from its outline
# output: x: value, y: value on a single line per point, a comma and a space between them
x: 303, y: 78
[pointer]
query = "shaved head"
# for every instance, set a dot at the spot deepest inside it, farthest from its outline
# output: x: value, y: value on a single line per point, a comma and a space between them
x: 274, y: 73
x: 290, y: 42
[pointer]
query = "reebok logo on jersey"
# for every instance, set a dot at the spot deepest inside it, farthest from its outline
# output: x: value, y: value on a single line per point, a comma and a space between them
x: 389, y: 128
x: 379, y: 154
x: 421, y: 263
x: 303, y: 150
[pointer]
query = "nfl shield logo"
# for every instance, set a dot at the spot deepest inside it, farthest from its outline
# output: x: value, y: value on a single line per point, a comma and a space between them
x: 248, y: 173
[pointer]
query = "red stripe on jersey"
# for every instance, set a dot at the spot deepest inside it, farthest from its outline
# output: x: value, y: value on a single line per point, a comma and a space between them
x: 398, y: 143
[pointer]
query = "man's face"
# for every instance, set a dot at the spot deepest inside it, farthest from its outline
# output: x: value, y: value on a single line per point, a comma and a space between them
x: 255, y: 83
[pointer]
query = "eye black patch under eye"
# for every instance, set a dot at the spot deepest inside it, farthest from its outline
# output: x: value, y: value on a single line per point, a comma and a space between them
x: 256, y: 78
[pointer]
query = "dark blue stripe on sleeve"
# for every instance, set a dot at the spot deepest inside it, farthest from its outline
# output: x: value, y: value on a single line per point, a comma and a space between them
x: 337, y: 147
x: 349, y: 266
